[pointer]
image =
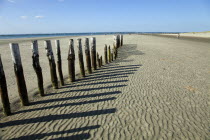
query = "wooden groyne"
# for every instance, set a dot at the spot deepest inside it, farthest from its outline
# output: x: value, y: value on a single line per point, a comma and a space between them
x: 94, y: 61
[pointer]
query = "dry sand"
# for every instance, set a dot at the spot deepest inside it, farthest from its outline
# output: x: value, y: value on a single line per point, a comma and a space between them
x: 196, y: 36
x: 158, y: 88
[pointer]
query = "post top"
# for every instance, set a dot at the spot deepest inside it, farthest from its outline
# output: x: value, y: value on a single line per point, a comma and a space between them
x: 13, y: 44
x: 34, y: 41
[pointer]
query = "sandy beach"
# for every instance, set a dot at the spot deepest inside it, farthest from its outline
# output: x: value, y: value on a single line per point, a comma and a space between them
x: 158, y: 88
x: 194, y: 36
x: 26, y: 54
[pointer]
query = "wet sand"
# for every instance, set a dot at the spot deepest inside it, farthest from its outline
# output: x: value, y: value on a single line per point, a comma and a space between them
x: 158, y: 88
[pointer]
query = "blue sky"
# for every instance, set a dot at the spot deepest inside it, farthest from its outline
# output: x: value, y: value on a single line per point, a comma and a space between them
x: 70, y: 16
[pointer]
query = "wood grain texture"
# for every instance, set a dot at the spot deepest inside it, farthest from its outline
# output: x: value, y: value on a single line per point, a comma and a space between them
x: 37, y: 67
x: 52, y: 64
x: 18, y: 69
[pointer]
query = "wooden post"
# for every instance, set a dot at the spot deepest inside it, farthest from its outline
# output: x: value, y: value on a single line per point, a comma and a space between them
x: 71, y: 61
x: 80, y: 56
x: 93, y: 52
x: 109, y: 54
x: 59, y: 61
x: 52, y: 64
x: 98, y: 60
x: 3, y: 91
x: 36, y: 66
x: 115, y: 46
x: 19, y: 74
x: 105, y: 54
x: 118, y: 41
x: 87, y: 53
x: 113, y: 51
x: 101, y: 61
x: 115, y: 41
x: 121, y: 40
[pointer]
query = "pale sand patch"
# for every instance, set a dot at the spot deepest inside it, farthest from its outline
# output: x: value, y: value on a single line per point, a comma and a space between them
x: 136, y: 97
x: 190, y: 88
x: 191, y: 34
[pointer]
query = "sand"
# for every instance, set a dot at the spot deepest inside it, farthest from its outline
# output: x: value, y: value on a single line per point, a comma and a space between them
x: 197, y: 36
x: 158, y: 88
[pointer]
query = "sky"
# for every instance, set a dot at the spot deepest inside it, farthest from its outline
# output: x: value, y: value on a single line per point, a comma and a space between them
x: 73, y: 16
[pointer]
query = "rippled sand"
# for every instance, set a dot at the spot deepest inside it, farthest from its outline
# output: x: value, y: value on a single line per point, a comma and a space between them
x: 157, y: 88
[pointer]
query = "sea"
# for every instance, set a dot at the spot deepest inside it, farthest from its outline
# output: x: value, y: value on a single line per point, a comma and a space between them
x: 16, y: 36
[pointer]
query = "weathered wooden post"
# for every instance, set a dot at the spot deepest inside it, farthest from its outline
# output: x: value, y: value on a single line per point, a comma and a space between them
x: 105, y: 54
x: 71, y: 61
x: 109, y: 54
x: 87, y: 53
x: 121, y: 40
x: 19, y: 74
x: 80, y: 56
x: 118, y: 41
x: 59, y: 61
x: 52, y: 64
x: 3, y: 91
x: 112, y: 54
x: 115, y: 52
x: 98, y: 60
x: 115, y: 40
x: 36, y: 66
x: 115, y: 46
x: 93, y: 52
x: 101, y: 61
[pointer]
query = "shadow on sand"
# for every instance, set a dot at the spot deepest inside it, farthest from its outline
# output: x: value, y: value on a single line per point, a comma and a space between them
x: 74, y: 137
x: 108, y: 74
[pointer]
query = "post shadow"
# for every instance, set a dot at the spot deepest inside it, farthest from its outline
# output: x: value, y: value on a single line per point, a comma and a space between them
x: 79, y: 136
x: 50, y: 117
x: 98, y: 83
x: 83, y: 136
x: 67, y: 104
x: 76, y: 97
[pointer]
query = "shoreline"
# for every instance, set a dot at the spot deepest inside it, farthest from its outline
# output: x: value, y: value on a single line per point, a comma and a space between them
x: 19, y: 40
x: 189, y: 36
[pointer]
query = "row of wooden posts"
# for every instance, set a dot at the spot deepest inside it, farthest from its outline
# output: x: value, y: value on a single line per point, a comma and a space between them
x: 92, y: 60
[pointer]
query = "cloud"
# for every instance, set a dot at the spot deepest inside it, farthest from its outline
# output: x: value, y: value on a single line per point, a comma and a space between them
x: 39, y: 17
x: 12, y: 1
x: 23, y: 17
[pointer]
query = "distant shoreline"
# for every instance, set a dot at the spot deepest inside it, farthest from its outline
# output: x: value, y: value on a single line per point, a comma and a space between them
x: 17, y: 36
